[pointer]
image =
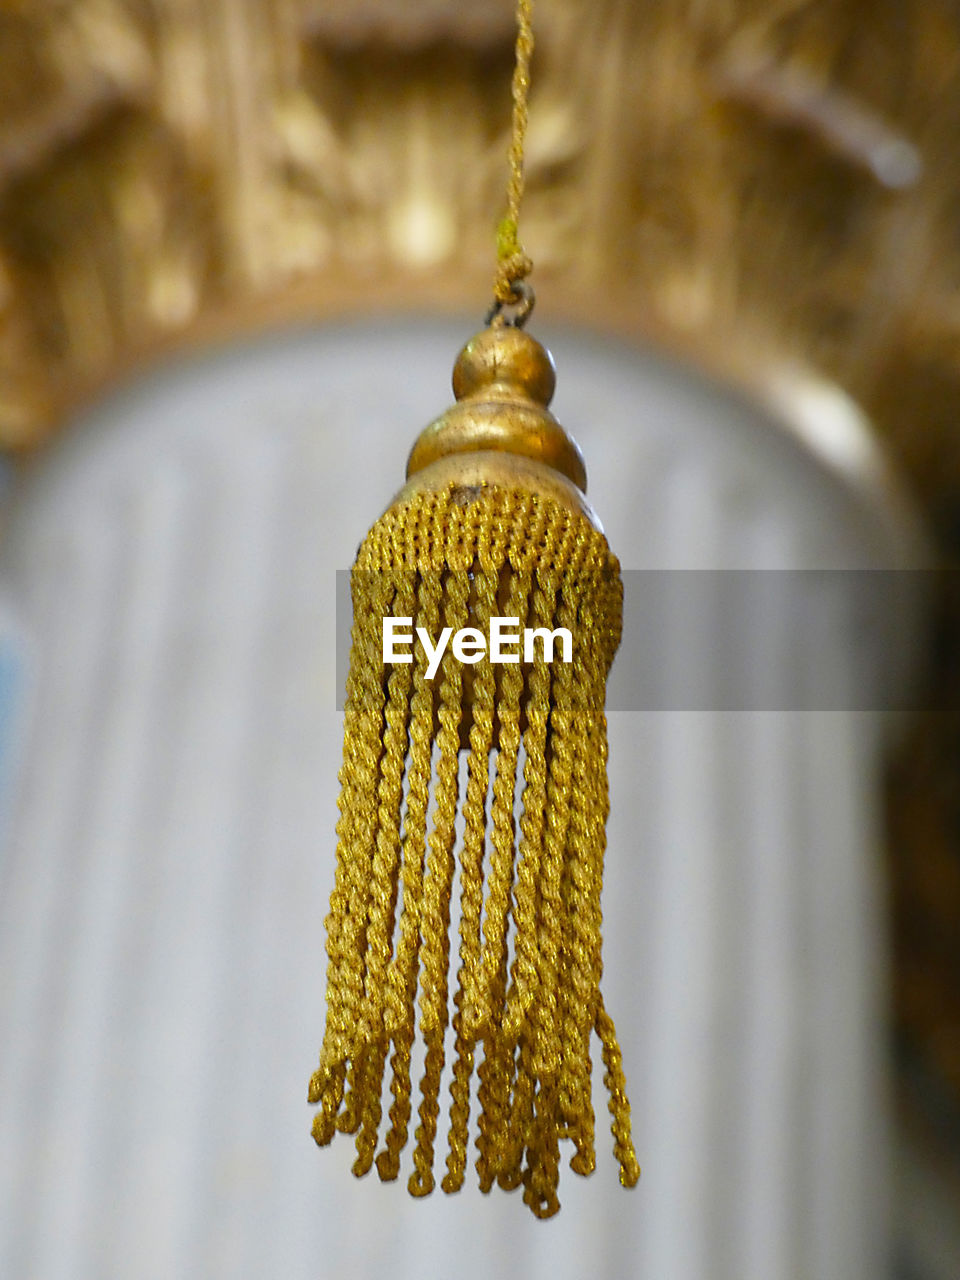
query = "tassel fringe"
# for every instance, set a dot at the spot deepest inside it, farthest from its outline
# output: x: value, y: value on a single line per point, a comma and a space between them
x: 527, y: 996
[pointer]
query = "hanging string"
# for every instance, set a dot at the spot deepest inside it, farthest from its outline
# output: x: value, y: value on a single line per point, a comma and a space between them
x: 513, y: 264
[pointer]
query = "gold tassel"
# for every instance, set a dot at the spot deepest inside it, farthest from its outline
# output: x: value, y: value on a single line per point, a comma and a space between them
x: 492, y: 523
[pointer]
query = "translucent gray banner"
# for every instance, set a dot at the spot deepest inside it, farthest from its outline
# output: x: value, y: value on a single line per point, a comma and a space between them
x: 754, y: 640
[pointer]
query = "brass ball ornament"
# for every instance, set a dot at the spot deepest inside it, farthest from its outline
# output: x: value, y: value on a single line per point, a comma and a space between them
x: 500, y: 431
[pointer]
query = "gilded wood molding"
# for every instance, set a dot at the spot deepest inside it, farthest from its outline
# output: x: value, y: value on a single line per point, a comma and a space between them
x: 782, y: 172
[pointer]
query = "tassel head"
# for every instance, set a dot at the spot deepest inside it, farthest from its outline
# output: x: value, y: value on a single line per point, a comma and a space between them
x: 500, y: 433
x: 464, y: 776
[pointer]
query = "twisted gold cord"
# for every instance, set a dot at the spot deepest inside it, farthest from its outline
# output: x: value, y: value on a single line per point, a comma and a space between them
x: 527, y: 999
x: 513, y: 263
x: 468, y: 999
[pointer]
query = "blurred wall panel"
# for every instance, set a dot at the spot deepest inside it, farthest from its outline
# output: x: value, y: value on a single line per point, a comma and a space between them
x: 169, y: 852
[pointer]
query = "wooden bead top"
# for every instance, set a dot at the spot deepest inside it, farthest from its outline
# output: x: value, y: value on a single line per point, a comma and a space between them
x: 507, y: 359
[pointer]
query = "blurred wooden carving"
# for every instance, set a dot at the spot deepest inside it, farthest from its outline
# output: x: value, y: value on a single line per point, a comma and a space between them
x: 167, y: 169
x: 398, y: 24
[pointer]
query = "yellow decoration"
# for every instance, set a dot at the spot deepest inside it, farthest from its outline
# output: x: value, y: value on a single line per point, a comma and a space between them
x: 493, y: 523
x: 485, y: 528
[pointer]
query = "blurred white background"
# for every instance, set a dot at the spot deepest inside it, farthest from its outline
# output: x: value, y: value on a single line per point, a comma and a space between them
x: 170, y: 750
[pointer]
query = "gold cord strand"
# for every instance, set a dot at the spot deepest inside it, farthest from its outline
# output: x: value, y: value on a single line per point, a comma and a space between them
x: 496, y: 1071
x: 384, y: 891
x: 526, y: 987
x: 596, y: 786
x: 356, y: 830
x: 435, y: 922
x: 618, y: 1104
x: 513, y: 263
x: 364, y: 896
x: 573, y: 987
x: 542, y: 1029
x: 402, y: 985
x: 471, y: 877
